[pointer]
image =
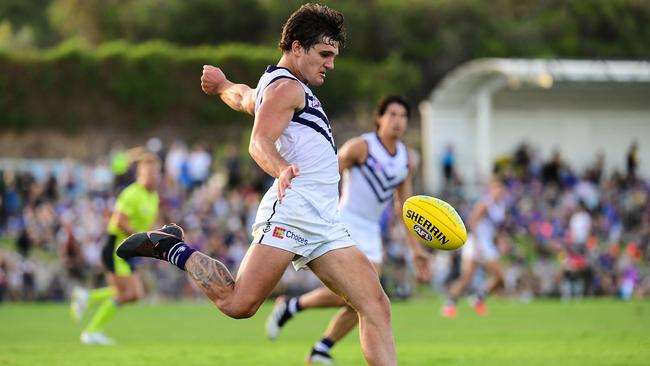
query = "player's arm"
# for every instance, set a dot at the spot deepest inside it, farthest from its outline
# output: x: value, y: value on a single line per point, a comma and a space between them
x: 239, y: 97
x: 124, y: 207
x: 353, y: 152
x: 122, y: 222
x: 280, y: 100
x: 477, y: 213
x: 421, y: 259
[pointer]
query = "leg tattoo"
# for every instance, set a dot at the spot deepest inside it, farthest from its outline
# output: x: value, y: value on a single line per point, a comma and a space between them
x: 210, y: 274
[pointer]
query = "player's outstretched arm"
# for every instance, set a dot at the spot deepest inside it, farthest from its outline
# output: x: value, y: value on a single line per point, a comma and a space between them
x: 421, y: 258
x: 480, y: 210
x: 239, y: 97
x: 280, y: 100
x: 354, y: 151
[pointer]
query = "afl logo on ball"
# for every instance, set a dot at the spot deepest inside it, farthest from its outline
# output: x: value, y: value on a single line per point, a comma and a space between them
x: 422, y: 232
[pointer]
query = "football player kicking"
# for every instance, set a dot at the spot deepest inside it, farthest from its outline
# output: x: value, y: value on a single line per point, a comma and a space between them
x: 377, y: 168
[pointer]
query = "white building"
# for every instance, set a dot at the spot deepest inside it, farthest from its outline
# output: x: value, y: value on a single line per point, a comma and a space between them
x: 486, y: 108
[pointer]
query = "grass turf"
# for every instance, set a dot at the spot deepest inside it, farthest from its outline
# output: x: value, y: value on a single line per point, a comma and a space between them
x: 592, y: 332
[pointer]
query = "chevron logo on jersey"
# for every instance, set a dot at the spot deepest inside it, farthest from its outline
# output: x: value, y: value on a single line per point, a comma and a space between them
x: 278, y: 232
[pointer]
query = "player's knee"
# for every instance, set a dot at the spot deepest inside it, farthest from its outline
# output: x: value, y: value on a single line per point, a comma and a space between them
x: 131, y: 296
x: 127, y: 298
x: 241, y: 309
x: 376, y: 305
x: 384, y: 304
x: 138, y: 295
x: 242, y: 313
x: 383, y: 309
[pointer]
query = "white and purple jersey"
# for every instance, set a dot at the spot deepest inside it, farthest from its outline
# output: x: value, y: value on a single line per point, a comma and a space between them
x: 368, y: 188
x: 308, y: 143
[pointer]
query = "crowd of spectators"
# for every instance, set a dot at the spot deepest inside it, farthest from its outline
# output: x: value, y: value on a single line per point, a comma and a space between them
x: 566, y: 235
x: 569, y: 233
x: 53, y: 216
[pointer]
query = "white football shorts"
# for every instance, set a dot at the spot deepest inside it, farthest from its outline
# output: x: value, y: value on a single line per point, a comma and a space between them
x: 366, y: 234
x: 296, y: 226
x: 479, y: 249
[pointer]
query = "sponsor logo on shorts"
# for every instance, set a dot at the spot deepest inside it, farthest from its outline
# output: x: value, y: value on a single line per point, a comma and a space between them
x: 281, y: 233
x: 278, y: 232
x: 267, y: 228
x: 297, y: 238
x: 422, y: 232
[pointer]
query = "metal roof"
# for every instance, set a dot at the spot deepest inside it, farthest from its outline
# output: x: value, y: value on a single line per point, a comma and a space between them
x: 459, y: 85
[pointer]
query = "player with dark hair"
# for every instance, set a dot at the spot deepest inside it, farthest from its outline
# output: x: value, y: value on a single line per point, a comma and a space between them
x: 297, y: 220
x: 378, y: 170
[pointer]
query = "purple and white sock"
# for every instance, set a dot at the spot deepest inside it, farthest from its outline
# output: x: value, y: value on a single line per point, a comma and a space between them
x: 179, y: 254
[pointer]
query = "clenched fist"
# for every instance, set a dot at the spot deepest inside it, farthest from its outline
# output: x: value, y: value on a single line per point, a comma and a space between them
x: 212, y: 80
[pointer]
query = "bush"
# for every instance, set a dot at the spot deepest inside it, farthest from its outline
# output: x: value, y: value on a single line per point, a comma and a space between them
x: 118, y: 84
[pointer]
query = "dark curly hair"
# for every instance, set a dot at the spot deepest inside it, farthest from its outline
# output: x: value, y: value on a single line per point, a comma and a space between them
x: 312, y: 23
x: 384, y: 103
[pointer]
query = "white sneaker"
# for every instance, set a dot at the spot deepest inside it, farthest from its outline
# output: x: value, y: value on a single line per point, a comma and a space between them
x: 92, y: 338
x: 319, y: 358
x: 78, y: 303
x: 274, y: 320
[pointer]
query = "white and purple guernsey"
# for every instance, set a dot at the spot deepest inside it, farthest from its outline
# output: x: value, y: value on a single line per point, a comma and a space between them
x: 307, y: 142
x: 368, y: 188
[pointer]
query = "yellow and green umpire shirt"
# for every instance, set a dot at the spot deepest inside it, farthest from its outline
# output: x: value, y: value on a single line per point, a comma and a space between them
x: 140, y: 206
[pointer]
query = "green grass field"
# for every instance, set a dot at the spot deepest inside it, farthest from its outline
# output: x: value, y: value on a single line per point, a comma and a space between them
x: 594, y: 332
